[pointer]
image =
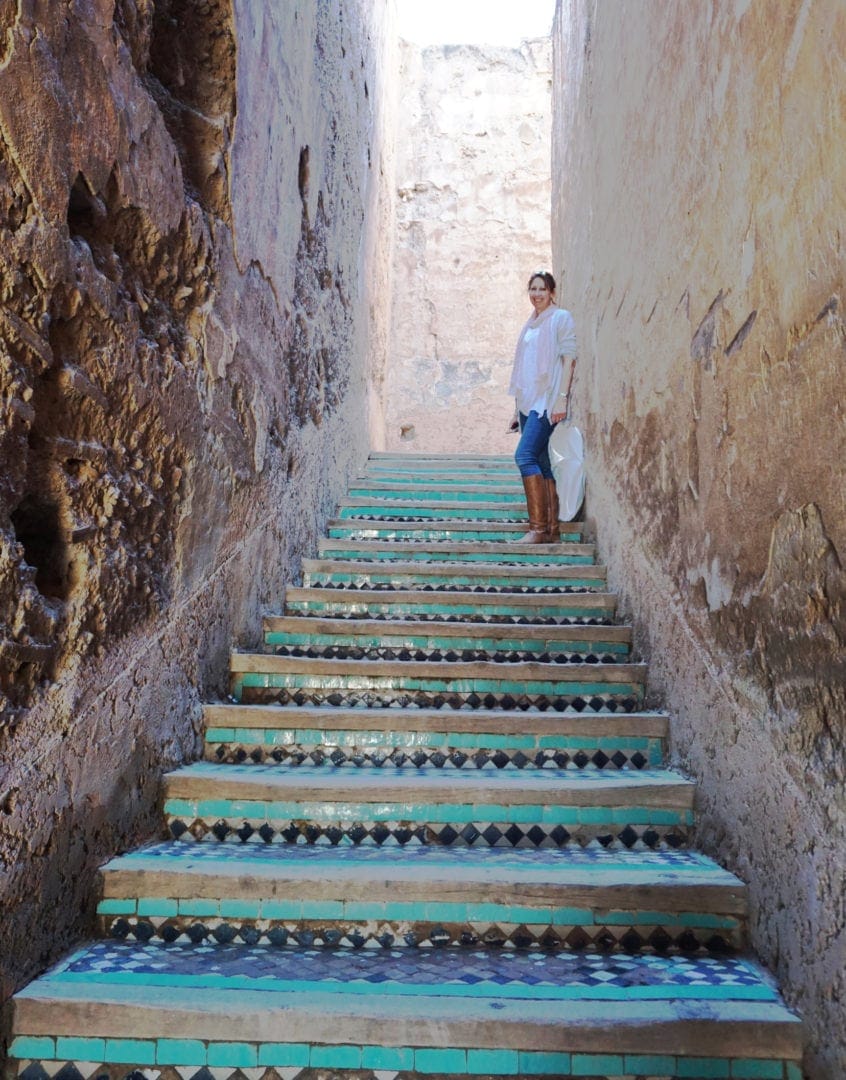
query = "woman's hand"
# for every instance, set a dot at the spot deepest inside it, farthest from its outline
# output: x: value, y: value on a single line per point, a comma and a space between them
x: 515, y: 423
x: 558, y: 416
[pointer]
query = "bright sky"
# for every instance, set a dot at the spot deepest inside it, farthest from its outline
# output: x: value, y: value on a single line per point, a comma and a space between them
x: 478, y: 22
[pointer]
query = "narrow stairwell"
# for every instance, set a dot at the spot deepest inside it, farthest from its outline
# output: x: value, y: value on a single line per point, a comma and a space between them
x: 432, y: 835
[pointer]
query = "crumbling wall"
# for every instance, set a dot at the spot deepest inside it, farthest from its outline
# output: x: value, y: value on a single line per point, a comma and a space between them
x: 700, y: 195
x: 195, y: 206
x: 473, y: 175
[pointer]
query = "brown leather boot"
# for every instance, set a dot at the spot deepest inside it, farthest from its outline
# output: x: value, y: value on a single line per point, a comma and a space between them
x: 536, y: 499
x: 553, y: 529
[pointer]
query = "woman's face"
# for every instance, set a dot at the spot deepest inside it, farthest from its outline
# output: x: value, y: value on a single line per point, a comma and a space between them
x: 539, y: 295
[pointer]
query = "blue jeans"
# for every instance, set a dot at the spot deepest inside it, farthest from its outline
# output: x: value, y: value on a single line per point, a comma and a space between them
x: 532, y: 453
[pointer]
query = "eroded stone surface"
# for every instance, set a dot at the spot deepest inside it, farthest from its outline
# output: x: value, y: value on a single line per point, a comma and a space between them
x: 699, y: 189
x: 194, y: 225
x: 472, y: 224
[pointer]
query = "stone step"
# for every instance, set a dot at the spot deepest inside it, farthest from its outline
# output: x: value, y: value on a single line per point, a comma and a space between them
x: 478, y: 684
x: 408, y: 738
x: 435, y: 492
x: 425, y: 460
x: 445, y: 480
x: 342, y: 896
x: 178, y: 1011
x: 457, y: 551
x: 459, y: 605
x: 449, y: 641
x: 401, y: 508
x: 534, y: 809
x: 435, y: 531
x: 484, y: 577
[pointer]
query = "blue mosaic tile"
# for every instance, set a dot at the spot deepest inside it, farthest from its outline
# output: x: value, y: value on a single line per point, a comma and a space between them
x: 460, y: 973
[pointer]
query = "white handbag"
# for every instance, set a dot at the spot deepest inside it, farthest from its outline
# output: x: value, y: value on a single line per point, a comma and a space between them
x: 567, y: 457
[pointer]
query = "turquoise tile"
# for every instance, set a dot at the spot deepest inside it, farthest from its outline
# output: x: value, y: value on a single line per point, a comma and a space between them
x: 218, y: 735
x: 398, y: 1058
x: 180, y: 1052
x: 283, y: 1055
x: 179, y: 807
x: 157, y: 906
x: 445, y: 912
x: 80, y: 1049
x: 527, y: 915
x: 32, y: 1046
x: 440, y: 1061
x: 653, y: 1065
x: 131, y: 1051
x: 702, y: 1068
x: 757, y: 1070
x: 233, y: 1055
x: 335, y: 1057
x: 484, y: 912
x: 359, y: 909
x: 714, y: 922
x: 114, y: 906
x: 567, y: 916
x: 281, y: 909
x: 794, y: 1071
x: 493, y: 1062
x: 203, y: 909
x: 596, y: 1065
x: 218, y: 808
x: 239, y: 909
x: 323, y: 909
x: 594, y: 815
x: 544, y: 1063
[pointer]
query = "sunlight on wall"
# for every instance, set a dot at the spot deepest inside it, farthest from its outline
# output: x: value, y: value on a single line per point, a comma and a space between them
x: 478, y: 22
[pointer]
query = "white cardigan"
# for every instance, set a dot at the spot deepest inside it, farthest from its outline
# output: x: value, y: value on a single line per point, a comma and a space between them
x: 538, y: 370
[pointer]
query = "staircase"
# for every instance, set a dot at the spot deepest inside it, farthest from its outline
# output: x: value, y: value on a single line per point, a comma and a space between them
x: 432, y: 836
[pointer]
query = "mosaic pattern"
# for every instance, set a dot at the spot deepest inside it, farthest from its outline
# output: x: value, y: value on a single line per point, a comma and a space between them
x: 605, y: 701
x: 491, y: 955
x: 386, y: 832
x: 594, y: 857
x: 321, y: 608
x: 635, y: 937
x: 447, y: 655
x: 240, y: 751
x: 476, y: 973
x: 150, y: 1060
x: 400, y: 582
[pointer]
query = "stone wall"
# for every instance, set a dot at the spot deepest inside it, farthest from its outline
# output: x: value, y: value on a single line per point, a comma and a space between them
x: 472, y: 224
x: 195, y: 208
x: 699, y: 205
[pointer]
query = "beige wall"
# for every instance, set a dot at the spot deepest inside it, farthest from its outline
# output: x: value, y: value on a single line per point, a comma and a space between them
x: 472, y: 224
x: 195, y: 212
x: 699, y: 202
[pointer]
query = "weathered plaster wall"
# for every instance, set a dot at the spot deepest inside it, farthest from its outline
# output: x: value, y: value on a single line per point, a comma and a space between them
x: 700, y: 195
x: 195, y: 206
x: 473, y: 165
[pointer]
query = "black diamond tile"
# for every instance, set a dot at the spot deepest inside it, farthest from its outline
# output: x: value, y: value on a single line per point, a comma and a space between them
x: 34, y: 1071
x: 514, y: 834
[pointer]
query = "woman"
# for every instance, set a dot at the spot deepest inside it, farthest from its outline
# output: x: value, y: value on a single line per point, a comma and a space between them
x: 541, y: 382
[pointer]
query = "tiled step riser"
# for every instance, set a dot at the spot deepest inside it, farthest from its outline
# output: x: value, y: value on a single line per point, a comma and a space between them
x: 566, y: 609
x: 524, y: 826
x: 438, y: 694
x: 400, y: 510
x: 569, y: 534
x: 597, y: 931
x: 527, y: 558
x: 446, y: 646
x: 510, y: 579
x: 417, y: 749
x: 434, y: 494
x: 122, y: 1059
